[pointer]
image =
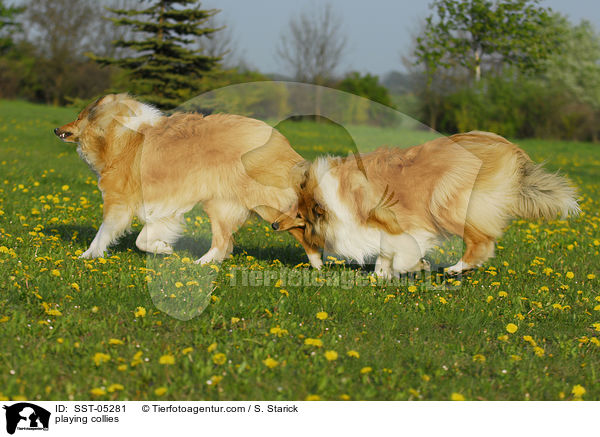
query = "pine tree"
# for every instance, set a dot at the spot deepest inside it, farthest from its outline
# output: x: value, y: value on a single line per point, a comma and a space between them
x: 164, y: 67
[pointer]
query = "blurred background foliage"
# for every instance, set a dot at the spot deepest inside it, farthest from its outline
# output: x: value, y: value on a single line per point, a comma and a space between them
x: 508, y: 66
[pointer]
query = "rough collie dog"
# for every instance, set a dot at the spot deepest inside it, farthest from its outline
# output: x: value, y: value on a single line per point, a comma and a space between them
x: 396, y: 203
x: 159, y: 167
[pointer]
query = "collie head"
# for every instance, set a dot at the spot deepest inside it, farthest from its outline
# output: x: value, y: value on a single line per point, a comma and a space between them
x: 106, y: 126
x: 334, y: 208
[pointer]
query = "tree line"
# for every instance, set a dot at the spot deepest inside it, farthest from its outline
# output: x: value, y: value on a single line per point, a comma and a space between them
x: 509, y: 66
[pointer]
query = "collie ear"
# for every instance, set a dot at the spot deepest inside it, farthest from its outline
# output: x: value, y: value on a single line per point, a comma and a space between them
x: 275, y: 164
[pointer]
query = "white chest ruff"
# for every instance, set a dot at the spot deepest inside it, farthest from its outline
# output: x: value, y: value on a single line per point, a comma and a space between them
x: 345, y: 235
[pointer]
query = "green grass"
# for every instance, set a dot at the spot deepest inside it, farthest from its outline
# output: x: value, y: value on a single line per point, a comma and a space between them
x: 58, y: 313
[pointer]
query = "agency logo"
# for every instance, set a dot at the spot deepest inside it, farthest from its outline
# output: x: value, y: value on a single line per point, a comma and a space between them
x: 26, y: 417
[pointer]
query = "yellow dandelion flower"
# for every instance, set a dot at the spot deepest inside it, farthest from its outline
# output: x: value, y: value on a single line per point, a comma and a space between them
x: 591, y: 276
x: 578, y: 391
x: 211, y: 348
x: 234, y: 320
x: 322, y: 315
x: 539, y: 351
x: 100, y: 358
x: 331, y: 355
x: 366, y: 370
x: 570, y: 275
x: 502, y: 293
x: 457, y: 397
x: 353, y: 354
x: 98, y: 391
x: 114, y: 387
x: 187, y: 350
x: 412, y: 288
x: 65, y: 188
x: 313, y: 342
x: 515, y: 358
x: 178, y: 284
x: 479, y: 358
x: 140, y: 312
x: 219, y: 358
x: 160, y: 391
x: 270, y: 362
x: 313, y: 398
x: 166, y: 359
x: 115, y: 341
x: 122, y: 367
x: 344, y: 397
x: 512, y: 328
x: 55, y: 273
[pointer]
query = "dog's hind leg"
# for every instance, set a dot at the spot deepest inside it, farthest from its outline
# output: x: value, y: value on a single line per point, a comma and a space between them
x: 226, y: 216
x: 159, y: 235
x: 480, y: 248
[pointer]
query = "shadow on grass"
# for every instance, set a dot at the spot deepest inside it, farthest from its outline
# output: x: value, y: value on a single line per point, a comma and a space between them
x: 289, y: 256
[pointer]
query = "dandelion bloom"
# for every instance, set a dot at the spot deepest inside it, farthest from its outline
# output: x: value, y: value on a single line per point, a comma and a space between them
x: 212, y: 347
x: 234, y: 320
x: 457, y: 397
x: 322, y: 315
x: 366, y: 370
x: 313, y: 342
x: 570, y: 275
x: 313, y: 398
x: 479, y: 358
x: 167, y: 359
x: 187, y: 350
x: 114, y: 387
x: 140, y: 312
x: 97, y: 391
x: 100, y: 358
x: 219, y: 358
x: 512, y: 328
x: 115, y: 341
x: 270, y: 362
x: 353, y: 354
x: 160, y: 391
x: 331, y: 355
x: 578, y: 391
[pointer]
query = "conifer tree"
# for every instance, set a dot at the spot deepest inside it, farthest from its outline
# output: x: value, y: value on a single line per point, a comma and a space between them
x: 165, y: 65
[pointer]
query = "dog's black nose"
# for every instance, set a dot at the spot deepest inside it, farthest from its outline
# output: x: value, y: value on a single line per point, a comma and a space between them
x: 275, y: 226
x: 56, y: 130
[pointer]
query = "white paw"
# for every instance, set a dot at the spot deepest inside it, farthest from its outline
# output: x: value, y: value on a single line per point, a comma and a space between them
x: 160, y: 247
x: 459, y: 267
x: 208, y: 258
x: 315, y: 260
x: 92, y: 252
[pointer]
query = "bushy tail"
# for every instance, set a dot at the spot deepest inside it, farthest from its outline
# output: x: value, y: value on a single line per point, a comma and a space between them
x: 544, y: 195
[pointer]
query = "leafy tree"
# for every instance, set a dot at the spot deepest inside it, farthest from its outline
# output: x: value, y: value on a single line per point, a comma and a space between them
x: 7, y: 24
x: 164, y: 67
x: 469, y: 32
x: 366, y: 86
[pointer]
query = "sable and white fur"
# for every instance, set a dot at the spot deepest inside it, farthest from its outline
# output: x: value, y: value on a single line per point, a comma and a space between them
x: 158, y: 168
x: 396, y: 203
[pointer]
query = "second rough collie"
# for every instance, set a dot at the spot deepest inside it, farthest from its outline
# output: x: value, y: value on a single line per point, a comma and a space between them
x: 396, y: 203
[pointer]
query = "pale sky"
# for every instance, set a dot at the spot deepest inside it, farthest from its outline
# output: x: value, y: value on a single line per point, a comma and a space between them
x: 378, y: 31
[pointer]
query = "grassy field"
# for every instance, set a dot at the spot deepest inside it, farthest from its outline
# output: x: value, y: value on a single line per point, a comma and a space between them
x: 526, y: 326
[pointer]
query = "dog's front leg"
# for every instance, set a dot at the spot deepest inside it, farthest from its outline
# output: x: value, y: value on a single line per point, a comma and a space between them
x: 115, y: 222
